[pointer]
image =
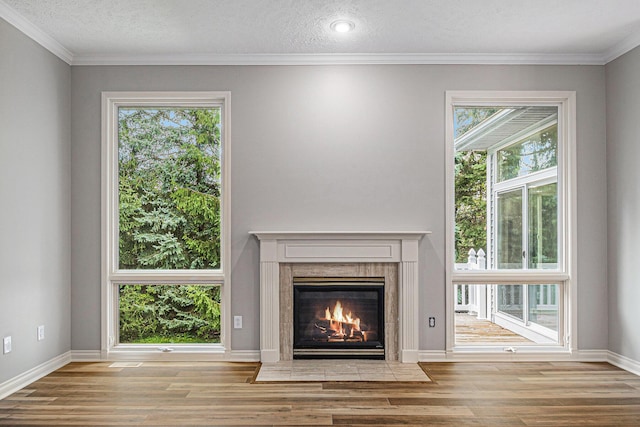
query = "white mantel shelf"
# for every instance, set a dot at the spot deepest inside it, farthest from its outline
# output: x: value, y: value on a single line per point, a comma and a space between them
x: 337, y: 247
x: 373, y: 235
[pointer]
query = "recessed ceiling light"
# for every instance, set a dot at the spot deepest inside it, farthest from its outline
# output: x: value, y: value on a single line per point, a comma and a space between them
x: 342, y: 26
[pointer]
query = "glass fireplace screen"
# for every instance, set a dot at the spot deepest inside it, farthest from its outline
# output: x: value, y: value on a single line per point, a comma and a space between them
x: 338, y: 317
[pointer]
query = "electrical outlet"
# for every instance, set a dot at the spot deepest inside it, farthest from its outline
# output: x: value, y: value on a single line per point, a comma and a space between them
x: 6, y: 345
x: 432, y: 322
x: 40, y: 332
x: 237, y: 322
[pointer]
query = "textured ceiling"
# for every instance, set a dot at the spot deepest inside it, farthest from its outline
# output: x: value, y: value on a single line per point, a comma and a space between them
x: 222, y: 27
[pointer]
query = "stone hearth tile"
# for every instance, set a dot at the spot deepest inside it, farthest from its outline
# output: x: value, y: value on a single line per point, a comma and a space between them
x: 377, y: 377
x: 307, y: 377
x: 341, y: 370
x: 344, y: 377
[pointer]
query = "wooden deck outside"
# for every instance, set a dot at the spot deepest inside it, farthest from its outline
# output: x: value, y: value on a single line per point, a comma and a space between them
x: 210, y: 393
x: 471, y: 330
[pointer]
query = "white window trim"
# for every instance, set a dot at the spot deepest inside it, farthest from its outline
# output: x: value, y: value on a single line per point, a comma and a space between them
x: 567, y: 276
x: 545, y: 176
x: 110, y: 274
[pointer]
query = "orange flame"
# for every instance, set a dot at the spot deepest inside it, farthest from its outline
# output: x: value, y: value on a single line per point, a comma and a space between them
x: 343, y: 324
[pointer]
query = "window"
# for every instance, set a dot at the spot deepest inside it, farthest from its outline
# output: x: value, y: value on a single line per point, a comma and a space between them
x: 510, y: 272
x: 508, y: 314
x: 165, y: 221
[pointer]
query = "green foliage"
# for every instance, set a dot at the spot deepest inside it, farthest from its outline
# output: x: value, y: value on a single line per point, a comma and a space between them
x: 543, y: 225
x: 137, y: 313
x: 470, y: 186
x: 169, y: 188
x: 169, y: 314
x: 536, y: 153
x: 202, y: 222
x: 470, y: 203
x: 169, y: 218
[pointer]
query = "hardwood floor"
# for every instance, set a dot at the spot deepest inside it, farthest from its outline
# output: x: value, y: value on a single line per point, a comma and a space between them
x: 461, y: 394
x: 471, y: 330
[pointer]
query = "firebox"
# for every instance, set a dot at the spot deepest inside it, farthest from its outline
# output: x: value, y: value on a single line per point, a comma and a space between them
x: 338, y: 318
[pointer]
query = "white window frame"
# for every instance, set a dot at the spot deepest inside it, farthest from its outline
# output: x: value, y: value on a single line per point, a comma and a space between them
x: 566, y: 274
x: 112, y: 276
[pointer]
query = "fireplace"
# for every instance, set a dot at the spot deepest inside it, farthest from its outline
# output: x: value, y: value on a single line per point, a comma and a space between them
x: 286, y: 255
x: 339, y: 318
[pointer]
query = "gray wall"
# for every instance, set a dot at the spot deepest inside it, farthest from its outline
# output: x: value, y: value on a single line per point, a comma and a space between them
x: 623, y: 188
x: 35, y: 89
x: 338, y: 147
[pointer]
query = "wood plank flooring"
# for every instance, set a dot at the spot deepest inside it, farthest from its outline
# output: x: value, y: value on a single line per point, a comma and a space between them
x: 471, y: 330
x: 221, y: 393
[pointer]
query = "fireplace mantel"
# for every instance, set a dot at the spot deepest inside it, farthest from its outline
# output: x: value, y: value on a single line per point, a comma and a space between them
x: 339, y: 247
x: 321, y: 235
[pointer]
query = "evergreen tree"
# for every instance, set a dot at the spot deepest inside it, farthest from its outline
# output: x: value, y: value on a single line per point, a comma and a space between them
x: 169, y: 202
x: 169, y: 182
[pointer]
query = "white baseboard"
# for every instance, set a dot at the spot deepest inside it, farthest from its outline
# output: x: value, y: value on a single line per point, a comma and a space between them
x: 21, y: 381
x: 474, y: 356
x: 86, y: 356
x: 432, y: 356
x: 624, y: 362
x: 244, y: 356
x: 591, y: 355
x: 148, y: 356
x: 409, y: 356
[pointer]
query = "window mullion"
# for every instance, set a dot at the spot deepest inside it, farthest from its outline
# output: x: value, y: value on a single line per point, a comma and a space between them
x: 539, y: 178
x: 525, y: 228
x: 508, y: 276
x: 525, y: 304
x: 187, y: 276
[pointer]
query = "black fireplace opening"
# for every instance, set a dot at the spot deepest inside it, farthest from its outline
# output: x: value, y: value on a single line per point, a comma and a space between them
x: 338, y: 318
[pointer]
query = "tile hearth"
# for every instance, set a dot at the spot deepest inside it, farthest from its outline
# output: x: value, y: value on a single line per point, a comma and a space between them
x: 341, y: 370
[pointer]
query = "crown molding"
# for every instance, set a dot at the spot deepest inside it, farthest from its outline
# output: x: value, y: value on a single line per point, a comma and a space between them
x: 30, y: 30
x: 629, y: 43
x: 342, y: 59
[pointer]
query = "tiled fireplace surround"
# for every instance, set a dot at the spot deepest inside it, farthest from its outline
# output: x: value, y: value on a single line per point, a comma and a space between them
x: 392, y: 255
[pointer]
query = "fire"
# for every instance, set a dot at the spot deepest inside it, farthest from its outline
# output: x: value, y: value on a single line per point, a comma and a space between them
x: 344, y: 326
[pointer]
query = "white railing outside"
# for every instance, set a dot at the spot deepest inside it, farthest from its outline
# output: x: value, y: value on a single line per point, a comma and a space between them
x: 468, y: 297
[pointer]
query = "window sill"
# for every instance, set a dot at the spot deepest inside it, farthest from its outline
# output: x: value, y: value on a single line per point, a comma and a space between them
x: 509, y: 276
x: 154, y: 352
